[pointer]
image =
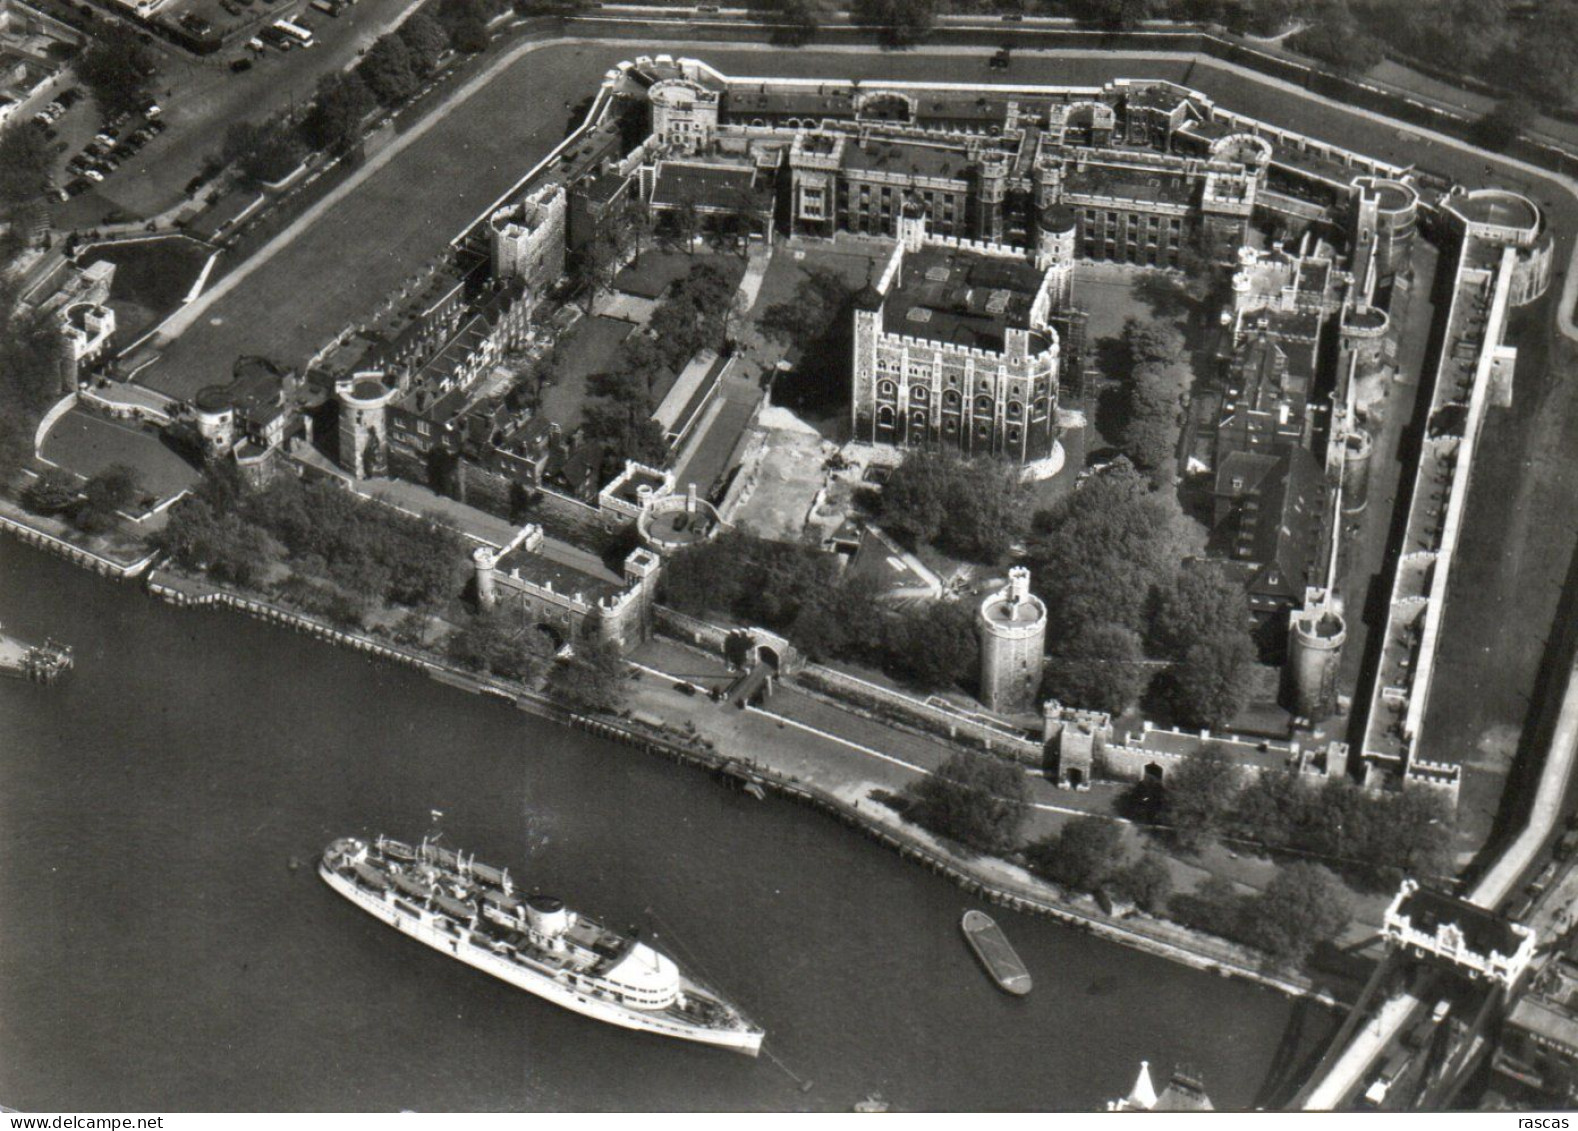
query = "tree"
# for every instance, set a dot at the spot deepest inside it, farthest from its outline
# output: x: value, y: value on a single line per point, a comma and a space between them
x: 1338, y: 41
x: 1201, y: 601
x: 933, y: 645
x: 1276, y: 809
x: 1102, y: 668
x: 1303, y: 906
x: 25, y: 164
x: 1200, y: 794
x: 264, y: 152
x: 1101, y: 553
x: 1082, y: 855
x: 219, y: 542
x: 335, y: 121
x: 387, y: 70
x: 1151, y: 416
x: 1211, y: 683
x: 593, y: 679
x: 817, y: 300
x: 104, y: 495
x: 1502, y: 124
x: 795, y: 21
x: 1145, y: 882
x: 1152, y: 340
x: 973, y: 508
x: 53, y: 492
x: 469, y: 35
x: 426, y: 40
x: 899, y: 21
x: 1124, y: 14
x: 978, y: 800
x: 495, y: 642
x: 120, y: 72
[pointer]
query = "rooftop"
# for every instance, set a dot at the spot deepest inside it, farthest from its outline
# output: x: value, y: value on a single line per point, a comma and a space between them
x: 567, y: 570
x: 915, y: 158
x: 963, y: 297
x: 1150, y: 185
x: 1003, y: 609
x: 1483, y: 931
x: 255, y: 383
x: 707, y: 186
x: 1495, y: 206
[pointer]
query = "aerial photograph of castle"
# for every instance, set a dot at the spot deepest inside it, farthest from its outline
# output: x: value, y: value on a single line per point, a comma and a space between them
x: 903, y: 556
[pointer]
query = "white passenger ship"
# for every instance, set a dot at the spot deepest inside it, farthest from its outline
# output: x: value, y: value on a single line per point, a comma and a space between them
x: 474, y: 912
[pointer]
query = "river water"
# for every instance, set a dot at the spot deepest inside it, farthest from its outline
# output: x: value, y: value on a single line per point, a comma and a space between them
x: 158, y: 952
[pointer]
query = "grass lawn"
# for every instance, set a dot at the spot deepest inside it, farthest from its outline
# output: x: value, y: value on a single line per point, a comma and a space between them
x: 88, y: 444
x: 1507, y: 578
x: 406, y: 212
x: 589, y: 348
x: 151, y: 279
x: 660, y: 266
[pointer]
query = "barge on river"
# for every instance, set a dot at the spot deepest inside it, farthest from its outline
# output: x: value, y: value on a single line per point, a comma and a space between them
x: 991, y: 946
x: 475, y: 913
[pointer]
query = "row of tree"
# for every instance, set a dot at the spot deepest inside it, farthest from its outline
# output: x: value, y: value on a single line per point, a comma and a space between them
x: 120, y: 71
x: 797, y: 590
x: 1374, y: 834
x: 975, y: 509
x: 1157, y: 376
x: 93, y: 506
x: 983, y: 803
x: 593, y: 677
x: 1089, y: 854
x: 375, y: 553
x: 1303, y: 907
x: 390, y: 72
x: 30, y: 349
x: 1132, y: 609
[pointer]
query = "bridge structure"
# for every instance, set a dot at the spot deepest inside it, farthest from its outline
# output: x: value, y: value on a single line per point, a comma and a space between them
x: 1379, y: 1021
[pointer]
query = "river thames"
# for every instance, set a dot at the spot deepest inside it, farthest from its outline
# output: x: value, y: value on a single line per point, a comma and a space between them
x: 158, y: 951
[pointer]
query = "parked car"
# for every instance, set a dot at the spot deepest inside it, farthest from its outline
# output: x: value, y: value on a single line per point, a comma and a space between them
x: 239, y: 65
x: 231, y: 7
x: 256, y: 44
x: 94, y: 175
x: 78, y: 186
x: 70, y: 96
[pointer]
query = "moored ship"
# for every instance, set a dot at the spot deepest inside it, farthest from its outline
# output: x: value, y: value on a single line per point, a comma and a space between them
x: 991, y: 946
x: 474, y: 912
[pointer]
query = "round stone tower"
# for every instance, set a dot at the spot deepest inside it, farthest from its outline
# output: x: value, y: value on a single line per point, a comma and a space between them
x: 1362, y: 337
x: 1315, y: 638
x: 1013, y: 628
x: 1356, y: 449
x: 1057, y: 231
x: 364, y: 425
x: 486, y: 562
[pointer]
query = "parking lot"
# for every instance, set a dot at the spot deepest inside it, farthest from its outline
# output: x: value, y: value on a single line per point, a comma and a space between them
x: 201, y: 97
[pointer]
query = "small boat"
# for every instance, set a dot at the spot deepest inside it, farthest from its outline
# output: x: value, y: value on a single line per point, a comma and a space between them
x: 986, y: 938
x: 873, y: 1104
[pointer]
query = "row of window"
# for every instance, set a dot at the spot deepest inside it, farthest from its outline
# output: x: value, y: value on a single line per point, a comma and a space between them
x: 950, y: 427
x: 920, y: 392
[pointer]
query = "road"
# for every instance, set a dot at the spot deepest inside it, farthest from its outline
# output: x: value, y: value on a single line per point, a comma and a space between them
x: 203, y: 97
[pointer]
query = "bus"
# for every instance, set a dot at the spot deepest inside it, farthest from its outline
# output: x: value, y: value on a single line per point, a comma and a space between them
x: 300, y: 34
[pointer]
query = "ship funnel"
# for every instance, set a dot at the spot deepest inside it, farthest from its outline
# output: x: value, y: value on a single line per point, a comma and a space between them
x: 546, y: 915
